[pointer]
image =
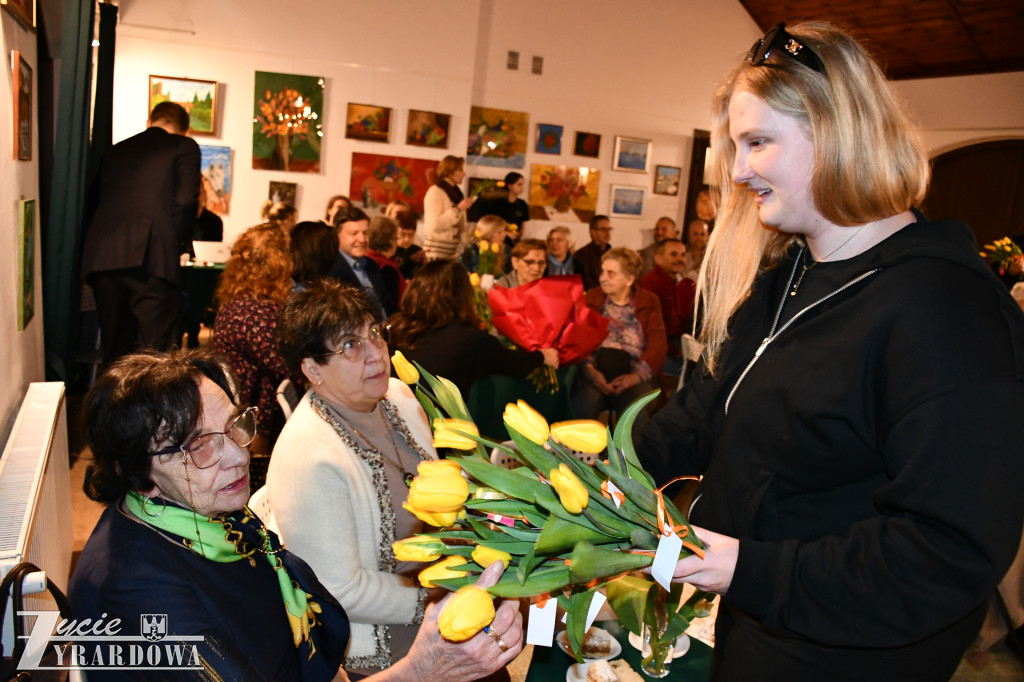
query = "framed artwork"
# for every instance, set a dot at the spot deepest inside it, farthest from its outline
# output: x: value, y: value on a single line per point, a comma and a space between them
x: 549, y: 139
x: 666, y: 180
x: 587, y: 144
x: 368, y: 122
x: 377, y: 180
x: 197, y: 96
x: 428, y: 129
x: 22, y: 82
x: 563, y: 192
x: 215, y: 166
x: 627, y: 201
x: 497, y: 138
x: 631, y: 154
x: 26, y: 262
x: 287, y: 115
x: 22, y: 10
x: 283, y: 192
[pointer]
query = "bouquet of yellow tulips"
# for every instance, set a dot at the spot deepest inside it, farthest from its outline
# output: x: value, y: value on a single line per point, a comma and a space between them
x: 1002, y: 252
x: 561, y: 527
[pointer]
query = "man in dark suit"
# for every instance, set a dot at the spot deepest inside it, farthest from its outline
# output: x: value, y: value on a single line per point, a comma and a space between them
x: 145, y: 202
x: 588, y: 258
x: 352, y: 264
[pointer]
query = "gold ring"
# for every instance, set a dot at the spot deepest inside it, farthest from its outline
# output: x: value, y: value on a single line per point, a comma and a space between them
x: 497, y: 639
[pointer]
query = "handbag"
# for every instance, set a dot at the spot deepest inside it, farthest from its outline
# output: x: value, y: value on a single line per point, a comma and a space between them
x: 612, y: 362
x: 12, y: 587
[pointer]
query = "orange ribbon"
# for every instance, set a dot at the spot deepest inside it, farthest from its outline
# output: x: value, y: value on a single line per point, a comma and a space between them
x: 681, y: 530
x: 618, y: 493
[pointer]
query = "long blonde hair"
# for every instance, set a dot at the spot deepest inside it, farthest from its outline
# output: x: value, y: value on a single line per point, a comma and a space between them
x: 868, y: 163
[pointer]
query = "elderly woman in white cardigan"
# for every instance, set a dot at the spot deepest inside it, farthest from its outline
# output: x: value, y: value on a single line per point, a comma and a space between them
x: 444, y: 211
x: 339, y: 471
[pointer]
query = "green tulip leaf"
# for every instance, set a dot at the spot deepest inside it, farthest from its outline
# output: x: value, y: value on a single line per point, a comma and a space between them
x: 588, y: 563
x: 627, y: 596
x: 508, y: 482
x: 623, y: 438
x: 559, y: 535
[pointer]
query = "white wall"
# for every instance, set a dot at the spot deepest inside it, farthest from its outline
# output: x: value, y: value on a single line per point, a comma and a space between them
x: 22, y: 352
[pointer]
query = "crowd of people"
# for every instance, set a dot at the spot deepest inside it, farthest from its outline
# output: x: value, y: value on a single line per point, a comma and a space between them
x: 831, y: 421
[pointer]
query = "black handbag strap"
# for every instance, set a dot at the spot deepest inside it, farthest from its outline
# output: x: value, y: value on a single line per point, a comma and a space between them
x: 12, y: 587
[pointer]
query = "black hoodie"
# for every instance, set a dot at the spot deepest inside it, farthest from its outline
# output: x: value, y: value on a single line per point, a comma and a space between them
x: 868, y: 460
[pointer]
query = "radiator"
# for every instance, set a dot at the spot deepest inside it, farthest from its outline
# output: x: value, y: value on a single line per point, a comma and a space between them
x: 35, y: 494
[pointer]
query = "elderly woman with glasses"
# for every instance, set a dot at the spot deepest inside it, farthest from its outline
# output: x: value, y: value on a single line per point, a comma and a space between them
x: 178, y: 550
x: 529, y: 259
x: 340, y: 472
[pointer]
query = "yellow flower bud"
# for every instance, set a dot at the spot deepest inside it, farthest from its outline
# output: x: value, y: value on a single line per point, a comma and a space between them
x: 445, y: 436
x: 439, y: 519
x: 499, y: 183
x: 478, y: 234
x: 584, y: 435
x: 405, y: 370
x: 571, y: 492
x: 512, y: 227
x: 485, y: 556
x: 484, y: 245
x: 418, y: 548
x: 474, y: 279
x: 441, y: 570
x: 527, y: 421
x: 439, y: 493
x: 469, y: 611
x: 433, y: 467
x: 495, y: 247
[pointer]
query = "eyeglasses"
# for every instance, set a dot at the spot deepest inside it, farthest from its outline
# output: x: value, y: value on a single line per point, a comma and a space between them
x: 354, y: 348
x: 778, y: 37
x: 207, y: 449
x: 532, y: 263
x: 602, y: 229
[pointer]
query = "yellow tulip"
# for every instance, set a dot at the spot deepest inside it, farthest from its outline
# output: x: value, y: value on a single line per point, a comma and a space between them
x: 584, y: 435
x: 477, y: 234
x: 527, y: 421
x: 418, y: 548
x: 445, y: 436
x: 499, y: 183
x: 469, y: 611
x: 484, y: 245
x: 443, y: 492
x: 433, y: 467
x: 571, y: 492
x: 495, y: 246
x: 441, y: 570
x: 485, y: 556
x: 512, y: 227
x: 474, y: 279
x: 439, y: 519
x: 405, y: 370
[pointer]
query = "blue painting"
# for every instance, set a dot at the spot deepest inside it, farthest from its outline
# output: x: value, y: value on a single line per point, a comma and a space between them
x: 627, y: 202
x: 631, y: 154
x: 216, y: 169
x: 549, y: 139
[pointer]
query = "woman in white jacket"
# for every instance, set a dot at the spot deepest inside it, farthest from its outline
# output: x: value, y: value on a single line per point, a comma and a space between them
x: 444, y: 211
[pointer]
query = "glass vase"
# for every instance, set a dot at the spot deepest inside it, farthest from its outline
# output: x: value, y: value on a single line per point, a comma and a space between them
x: 656, y: 649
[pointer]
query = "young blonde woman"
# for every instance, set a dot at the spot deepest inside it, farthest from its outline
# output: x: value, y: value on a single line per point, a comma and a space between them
x: 853, y: 415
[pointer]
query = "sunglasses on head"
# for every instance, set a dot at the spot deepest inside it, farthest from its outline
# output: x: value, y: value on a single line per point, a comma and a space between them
x: 779, y: 40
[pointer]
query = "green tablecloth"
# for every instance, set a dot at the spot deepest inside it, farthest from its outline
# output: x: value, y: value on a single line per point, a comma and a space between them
x: 550, y: 664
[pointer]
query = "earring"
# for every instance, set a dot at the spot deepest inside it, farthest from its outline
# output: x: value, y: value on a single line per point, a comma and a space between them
x: 147, y: 500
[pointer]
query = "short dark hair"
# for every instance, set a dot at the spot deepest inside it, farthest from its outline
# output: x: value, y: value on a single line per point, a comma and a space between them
x: 141, y: 402
x: 321, y: 313
x: 598, y: 218
x: 512, y: 178
x: 659, y: 248
x: 173, y: 113
x: 383, y: 233
x: 314, y: 248
x: 349, y: 214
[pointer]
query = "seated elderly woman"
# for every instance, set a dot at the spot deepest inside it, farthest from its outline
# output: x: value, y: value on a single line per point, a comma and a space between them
x: 439, y: 328
x: 255, y: 281
x: 560, y: 246
x: 171, y: 464
x: 529, y: 258
x: 627, y: 363
x: 340, y: 471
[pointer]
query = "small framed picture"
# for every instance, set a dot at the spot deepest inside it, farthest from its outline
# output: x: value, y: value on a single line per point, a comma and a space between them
x: 627, y: 201
x: 283, y: 192
x: 368, y: 122
x: 198, y: 97
x: 549, y: 139
x: 666, y: 180
x: 428, y: 129
x: 22, y: 82
x: 631, y: 154
x: 22, y: 10
x: 587, y: 144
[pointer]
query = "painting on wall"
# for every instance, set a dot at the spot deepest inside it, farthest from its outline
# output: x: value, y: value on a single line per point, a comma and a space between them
x: 287, y: 115
x: 368, y: 122
x: 666, y: 180
x: 22, y: 82
x: 283, y: 192
x: 377, y: 180
x: 587, y: 144
x: 22, y: 10
x: 497, y: 138
x: 216, y: 169
x: 627, y: 202
x: 26, y: 262
x: 631, y: 154
x: 549, y: 139
x: 563, y: 193
x: 428, y: 129
x: 198, y: 97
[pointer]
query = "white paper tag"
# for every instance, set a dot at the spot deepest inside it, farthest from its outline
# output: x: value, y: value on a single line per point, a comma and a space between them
x: 541, y: 628
x: 595, y: 605
x: 669, y: 547
x: 612, y: 490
